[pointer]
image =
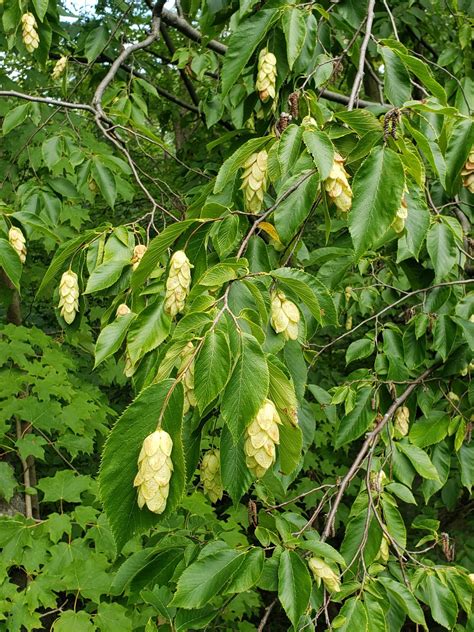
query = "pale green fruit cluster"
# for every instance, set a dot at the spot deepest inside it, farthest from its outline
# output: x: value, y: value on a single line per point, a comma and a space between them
x: 29, y: 33
x: 18, y: 242
x: 59, y: 67
x: 177, y: 283
x: 284, y: 316
x: 402, y: 421
x: 137, y: 256
x: 186, y: 369
x: 69, y: 296
x: 337, y: 185
x: 266, y: 75
x: 154, y: 471
x: 398, y: 223
x: 468, y: 172
x: 262, y: 435
x: 322, y: 571
x: 254, y: 181
x: 123, y: 310
x: 211, y: 475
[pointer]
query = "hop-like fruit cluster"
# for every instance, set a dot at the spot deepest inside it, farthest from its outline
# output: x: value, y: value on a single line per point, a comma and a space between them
x: 384, y: 550
x: 211, y: 475
x: 322, y: 571
x: 59, y: 67
x: 337, y: 185
x: 266, y: 76
x: 398, y: 223
x: 402, y: 421
x: 262, y: 435
x: 177, y: 283
x: 69, y: 296
x: 284, y: 316
x: 123, y: 310
x: 137, y: 256
x: 154, y: 471
x: 29, y: 33
x: 309, y: 122
x: 254, y: 181
x: 186, y: 369
x: 468, y: 172
x: 18, y: 242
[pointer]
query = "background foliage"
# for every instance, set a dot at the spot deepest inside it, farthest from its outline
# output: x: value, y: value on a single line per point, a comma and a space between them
x: 142, y: 140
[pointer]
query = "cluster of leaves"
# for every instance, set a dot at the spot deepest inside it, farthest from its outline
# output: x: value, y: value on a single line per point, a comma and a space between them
x: 386, y: 320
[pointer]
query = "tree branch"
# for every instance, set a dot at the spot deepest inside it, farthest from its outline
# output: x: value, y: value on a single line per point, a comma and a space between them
x: 371, y: 436
x: 47, y: 100
x: 363, y: 51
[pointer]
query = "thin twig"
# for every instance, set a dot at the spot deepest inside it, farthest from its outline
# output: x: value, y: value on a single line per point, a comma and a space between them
x: 363, y: 51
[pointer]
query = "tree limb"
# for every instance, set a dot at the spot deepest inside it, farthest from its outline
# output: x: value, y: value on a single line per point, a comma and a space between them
x: 47, y: 100
x: 363, y: 51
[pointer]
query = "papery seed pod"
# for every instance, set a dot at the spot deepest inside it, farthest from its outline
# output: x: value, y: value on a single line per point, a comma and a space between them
x: 471, y: 578
x: 211, y: 475
x: 18, y: 242
x: 384, y: 550
x: 348, y: 294
x: 348, y: 323
x: 398, y: 223
x: 92, y: 185
x: 322, y: 571
x: 266, y: 76
x: 453, y: 397
x: 186, y: 370
x: 29, y: 33
x: 123, y: 310
x: 155, y: 468
x: 309, y: 122
x: 129, y: 368
x: 468, y: 172
x: 262, y: 435
x: 137, y: 256
x: 401, y: 425
x: 285, y: 316
x: 69, y: 296
x: 337, y: 185
x: 59, y: 67
x: 254, y: 181
x: 177, y: 283
x: 377, y: 481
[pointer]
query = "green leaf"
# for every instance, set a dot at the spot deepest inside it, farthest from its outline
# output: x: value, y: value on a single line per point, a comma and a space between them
x: 105, y: 275
x: 206, y: 577
x: 362, y: 533
x: 444, y: 335
x: 441, y: 246
x: 430, y: 429
x: 295, y: 208
x: 111, y: 617
x: 148, y: 331
x: 247, y: 387
x: 236, y: 477
x: 294, y: 28
x: 291, y: 443
x: 15, y: 117
x: 65, y: 485
x: 311, y: 292
x: 460, y: 142
x: 396, y: 79
x: 95, y: 42
x: 212, y: 368
x: 282, y: 393
x: 440, y: 599
x: 354, y: 616
x: 106, y: 182
x: 402, y: 491
x: 394, y: 521
x: 358, y: 421
x: 156, y: 249
x: 378, y: 188
x: 41, y: 6
x: 321, y: 149
x: 111, y: 337
x: 419, y: 459
x: 289, y: 147
x: 69, y: 621
x: 242, y: 44
x: 404, y: 598
x: 117, y: 473
x: 196, y: 619
x: 10, y: 262
x: 221, y: 273
x: 248, y: 573
x: 322, y: 549
x: 294, y: 585
x: 8, y: 482
x: 359, y: 349
x: 236, y: 160
x: 417, y: 222
x: 51, y: 150
x: 466, y: 462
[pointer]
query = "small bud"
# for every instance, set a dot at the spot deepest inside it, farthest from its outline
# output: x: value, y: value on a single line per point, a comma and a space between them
x: 261, y: 437
x: 154, y: 471
x: 284, y: 316
x: 337, y: 185
x: 177, y: 283
x: 138, y: 253
x: 211, y: 475
x: 468, y: 172
x: 254, y: 181
x: 59, y: 67
x: 18, y: 242
x: 322, y: 571
x: 266, y: 76
x: 69, y: 296
x: 29, y: 34
x: 186, y: 370
x: 402, y: 421
x: 123, y: 310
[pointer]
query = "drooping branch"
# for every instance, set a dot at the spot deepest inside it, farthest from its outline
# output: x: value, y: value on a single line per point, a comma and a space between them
x: 48, y: 100
x: 363, y: 51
